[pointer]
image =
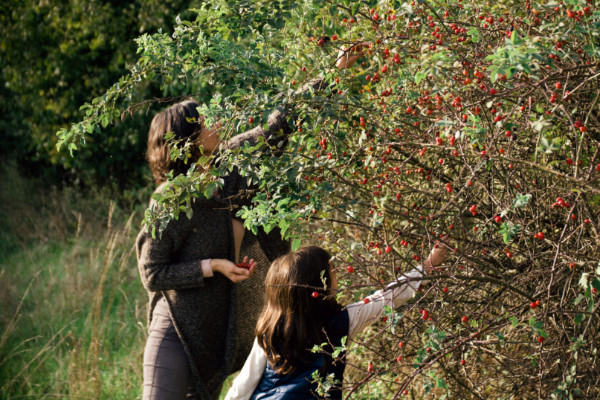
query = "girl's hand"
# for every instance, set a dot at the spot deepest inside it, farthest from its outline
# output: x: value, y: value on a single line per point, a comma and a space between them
x: 232, y: 271
x: 348, y: 56
x: 438, y: 255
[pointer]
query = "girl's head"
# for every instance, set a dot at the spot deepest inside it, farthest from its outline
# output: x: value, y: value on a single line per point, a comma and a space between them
x: 293, y: 319
x: 186, y: 124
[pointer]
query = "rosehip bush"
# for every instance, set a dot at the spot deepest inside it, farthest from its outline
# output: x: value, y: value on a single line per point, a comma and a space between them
x: 478, y: 120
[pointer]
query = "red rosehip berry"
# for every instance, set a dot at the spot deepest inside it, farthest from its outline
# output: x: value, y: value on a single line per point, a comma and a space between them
x: 540, y: 235
x: 315, y: 294
x: 350, y: 269
x: 464, y: 319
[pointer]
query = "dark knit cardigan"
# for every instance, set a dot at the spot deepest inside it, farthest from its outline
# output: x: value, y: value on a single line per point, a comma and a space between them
x: 214, y: 318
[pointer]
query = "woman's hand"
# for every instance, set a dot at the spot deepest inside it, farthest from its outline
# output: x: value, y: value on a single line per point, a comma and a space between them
x: 348, y: 56
x: 439, y: 253
x: 232, y: 271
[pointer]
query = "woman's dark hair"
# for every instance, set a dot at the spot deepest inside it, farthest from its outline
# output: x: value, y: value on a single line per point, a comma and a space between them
x: 184, y: 121
x: 293, y: 320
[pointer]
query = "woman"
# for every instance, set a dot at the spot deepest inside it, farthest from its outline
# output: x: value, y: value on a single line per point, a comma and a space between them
x: 302, y: 312
x: 203, y: 308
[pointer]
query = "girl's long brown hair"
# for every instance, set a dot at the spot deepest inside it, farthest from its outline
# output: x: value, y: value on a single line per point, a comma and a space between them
x: 293, y: 320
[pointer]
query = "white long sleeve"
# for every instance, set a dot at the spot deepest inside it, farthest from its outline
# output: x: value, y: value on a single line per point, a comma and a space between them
x: 363, y: 314
x: 244, y: 384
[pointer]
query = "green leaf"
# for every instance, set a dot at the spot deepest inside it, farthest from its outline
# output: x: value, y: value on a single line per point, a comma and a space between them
x: 296, y: 244
x: 474, y: 33
x: 514, y: 38
x: 579, y: 318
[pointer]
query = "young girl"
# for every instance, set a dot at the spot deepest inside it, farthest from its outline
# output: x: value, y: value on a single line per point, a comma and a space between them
x: 301, y: 312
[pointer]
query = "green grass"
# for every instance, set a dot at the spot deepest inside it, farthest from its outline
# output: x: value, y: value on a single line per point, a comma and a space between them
x: 73, y: 318
x: 72, y: 308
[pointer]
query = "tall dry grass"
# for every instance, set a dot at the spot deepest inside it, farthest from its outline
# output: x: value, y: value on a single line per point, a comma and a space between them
x: 72, y: 310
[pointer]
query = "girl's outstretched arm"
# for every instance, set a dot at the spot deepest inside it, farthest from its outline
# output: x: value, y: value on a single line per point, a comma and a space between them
x: 366, y: 312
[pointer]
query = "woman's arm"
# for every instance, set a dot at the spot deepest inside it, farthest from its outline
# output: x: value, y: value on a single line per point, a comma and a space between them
x: 278, y: 125
x: 159, y: 272
x: 244, y: 384
x: 278, y: 128
x: 157, y: 269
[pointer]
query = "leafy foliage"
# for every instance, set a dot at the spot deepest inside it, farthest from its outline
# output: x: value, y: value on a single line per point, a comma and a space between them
x: 57, y: 55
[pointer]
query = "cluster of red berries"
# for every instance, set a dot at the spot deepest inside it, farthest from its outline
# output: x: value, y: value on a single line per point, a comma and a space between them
x: 473, y: 209
x: 243, y: 265
x: 561, y: 203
